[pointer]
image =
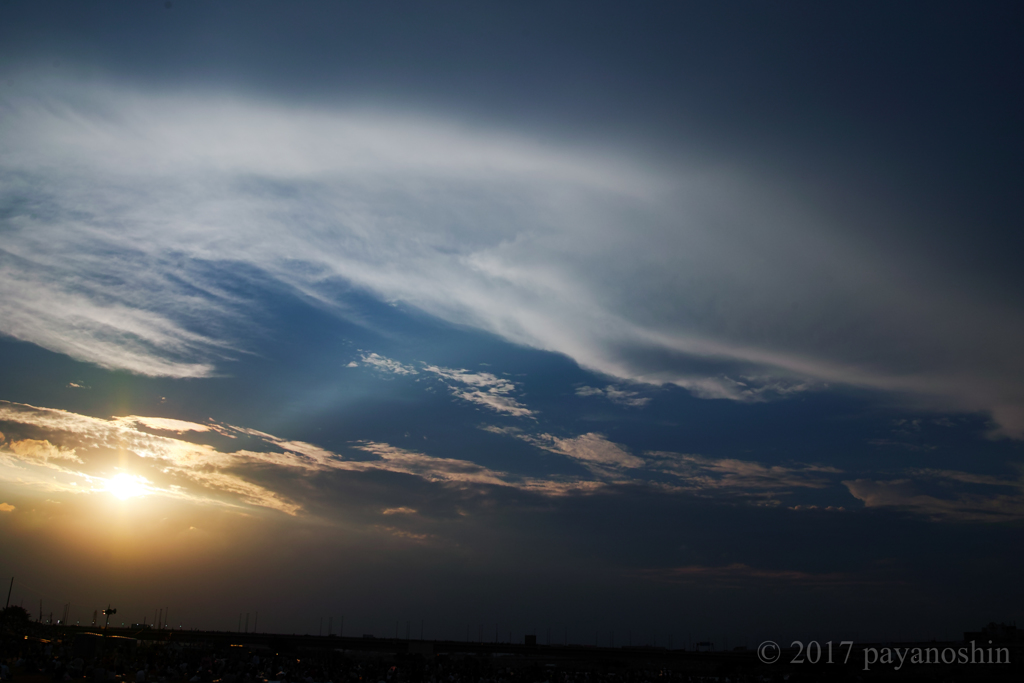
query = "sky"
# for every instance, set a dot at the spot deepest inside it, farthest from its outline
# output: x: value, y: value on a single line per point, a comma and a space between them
x: 646, y: 323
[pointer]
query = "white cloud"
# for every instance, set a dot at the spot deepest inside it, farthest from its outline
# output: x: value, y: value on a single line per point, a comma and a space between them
x: 482, y: 388
x: 119, y: 202
x: 45, y: 302
x: 590, y: 448
x: 41, y: 451
x: 162, y: 423
x: 623, y: 397
x: 386, y: 364
x: 626, y: 398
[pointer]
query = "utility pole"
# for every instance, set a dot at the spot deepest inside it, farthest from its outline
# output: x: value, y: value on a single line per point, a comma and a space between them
x: 9, y: 594
x: 255, y: 621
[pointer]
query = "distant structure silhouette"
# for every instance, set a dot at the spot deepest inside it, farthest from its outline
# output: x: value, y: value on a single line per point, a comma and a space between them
x: 997, y: 633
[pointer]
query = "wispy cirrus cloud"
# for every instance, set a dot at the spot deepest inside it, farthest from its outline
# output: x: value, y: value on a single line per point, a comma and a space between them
x: 387, y: 364
x: 406, y: 461
x: 181, y: 469
x: 593, y: 450
x: 398, y: 511
x: 702, y: 472
x: 128, y: 209
x: 463, y: 472
x: 162, y: 424
x: 624, y: 397
x: 682, y: 472
x: 42, y: 451
x: 956, y: 499
x: 482, y: 388
x: 140, y: 321
x: 227, y: 475
x: 71, y: 453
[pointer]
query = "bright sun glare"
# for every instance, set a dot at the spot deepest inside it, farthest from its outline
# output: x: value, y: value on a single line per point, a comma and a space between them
x: 127, y: 486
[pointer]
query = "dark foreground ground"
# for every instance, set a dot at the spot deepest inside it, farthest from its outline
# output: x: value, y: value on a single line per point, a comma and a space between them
x: 37, y: 653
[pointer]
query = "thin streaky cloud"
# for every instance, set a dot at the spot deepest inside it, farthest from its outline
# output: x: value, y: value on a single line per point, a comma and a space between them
x: 201, y: 473
x: 703, y: 472
x: 623, y: 397
x: 642, y: 273
x: 482, y: 388
x: 905, y: 495
x: 386, y: 364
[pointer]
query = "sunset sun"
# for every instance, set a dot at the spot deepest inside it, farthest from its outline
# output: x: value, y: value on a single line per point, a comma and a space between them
x: 126, y: 486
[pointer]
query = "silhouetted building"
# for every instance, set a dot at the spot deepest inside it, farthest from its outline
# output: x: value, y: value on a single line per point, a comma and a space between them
x: 997, y: 633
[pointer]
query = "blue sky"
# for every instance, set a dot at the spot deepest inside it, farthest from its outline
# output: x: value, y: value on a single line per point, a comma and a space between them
x: 660, y: 320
